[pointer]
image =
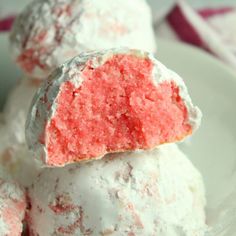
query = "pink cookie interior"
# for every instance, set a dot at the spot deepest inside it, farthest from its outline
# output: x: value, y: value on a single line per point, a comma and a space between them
x: 117, y: 108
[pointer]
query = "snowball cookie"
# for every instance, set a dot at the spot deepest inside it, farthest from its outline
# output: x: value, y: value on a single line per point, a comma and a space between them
x: 16, y: 110
x: 12, y: 209
x: 105, y: 102
x: 15, y: 160
x: 147, y: 193
x: 48, y: 32
x: 16, y: 163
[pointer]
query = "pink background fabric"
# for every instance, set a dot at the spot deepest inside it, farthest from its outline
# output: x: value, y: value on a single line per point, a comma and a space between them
x: 212, y: 29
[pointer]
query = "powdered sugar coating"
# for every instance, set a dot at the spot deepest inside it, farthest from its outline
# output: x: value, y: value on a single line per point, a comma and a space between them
x: 44, y: 103
x: 16, y: 110
x: 16, y: 161
x: 156, y: 192
x: 49, y: 32
x: 12, y: 209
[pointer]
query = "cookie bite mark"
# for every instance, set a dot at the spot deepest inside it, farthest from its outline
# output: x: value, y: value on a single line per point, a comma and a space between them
x: 112, y: 103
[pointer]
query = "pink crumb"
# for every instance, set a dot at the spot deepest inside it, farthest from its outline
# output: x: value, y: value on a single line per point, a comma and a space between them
x: 29, y: 59
x: 117, y: 108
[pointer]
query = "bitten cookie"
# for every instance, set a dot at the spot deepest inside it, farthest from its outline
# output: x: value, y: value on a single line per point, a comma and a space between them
x: 105, y: 102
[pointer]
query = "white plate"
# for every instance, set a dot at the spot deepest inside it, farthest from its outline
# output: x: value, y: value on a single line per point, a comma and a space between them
x: 212, y: 149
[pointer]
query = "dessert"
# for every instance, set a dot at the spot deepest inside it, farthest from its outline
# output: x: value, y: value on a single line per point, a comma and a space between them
x: 12, y: 209
x: 16, y: 163
x: 108, y: 101
x: 15, y: 160
x: 16, y: 110
x: 120, y: 104
x: 156, y: 192
x: 48, y: 32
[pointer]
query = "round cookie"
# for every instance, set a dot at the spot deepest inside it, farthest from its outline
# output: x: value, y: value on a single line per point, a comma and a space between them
x: 16, y: 110
x: 15, y: 160
x: 105, y: 102
x: 156, y: 192
x: 48, y: 32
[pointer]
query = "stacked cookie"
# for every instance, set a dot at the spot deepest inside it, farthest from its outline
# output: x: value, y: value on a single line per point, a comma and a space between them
x: 113, y: 112
x: 49, y: 32
x: 156, y: 192
x: 99, y: 124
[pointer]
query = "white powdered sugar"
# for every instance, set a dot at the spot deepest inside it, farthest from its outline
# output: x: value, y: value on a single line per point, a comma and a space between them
x: 3, y: 227
x: 12, y: 208
x: 9, y: 190
x: 15, y: 160
x: 17, y: 163
x: 151, y: 193
x: 49, y: 32
x: 16, y: 110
